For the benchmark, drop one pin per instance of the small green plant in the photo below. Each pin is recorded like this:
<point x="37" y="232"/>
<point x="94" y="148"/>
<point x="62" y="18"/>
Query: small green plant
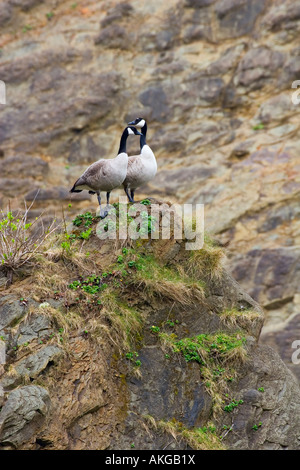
<point x="26" y="28"/>
<point x="49" y="15"/>
<point x="231" y="406"/>
<point x="66" y="244"/>
<point x="132" y="356"/>
<point x="261" y="389"/>
<point x="60" y="334"/>
<point x="146" y="202"/>
<point x="154" y="329"/>
<point x="258" y="127"/>
<point x="91" y="285"/>
<point x="85" y="235"/>
<point x="257" y="426"/>
<point x="86" y="219"/>
<point x="131" y="264"/>
<point x="148" y="221"/>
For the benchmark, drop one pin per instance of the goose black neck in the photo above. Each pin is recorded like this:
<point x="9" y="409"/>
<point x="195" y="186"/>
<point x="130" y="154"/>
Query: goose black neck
<point x="123" y="141"/>
<point x="143" y="136"/>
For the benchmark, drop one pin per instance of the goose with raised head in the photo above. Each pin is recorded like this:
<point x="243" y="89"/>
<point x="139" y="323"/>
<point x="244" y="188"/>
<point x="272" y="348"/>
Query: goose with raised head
<point x="141" y="168"/>
<point x="106" y="174"/>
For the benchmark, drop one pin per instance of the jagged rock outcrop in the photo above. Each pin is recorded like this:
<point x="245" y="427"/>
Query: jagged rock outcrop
<point x="23" y="414"/>
<point x="115" y="344"/>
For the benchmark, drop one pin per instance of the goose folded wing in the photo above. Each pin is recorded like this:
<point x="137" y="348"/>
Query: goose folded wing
<point x="135" y="165"/>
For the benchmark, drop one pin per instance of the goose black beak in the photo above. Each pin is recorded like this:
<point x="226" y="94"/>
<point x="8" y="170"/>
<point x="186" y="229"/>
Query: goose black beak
<point x="132" y="123"/>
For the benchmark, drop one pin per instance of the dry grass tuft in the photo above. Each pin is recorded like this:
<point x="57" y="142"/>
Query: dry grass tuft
<point x="239" y="318"/>
<point x="21" y="240"/>
<point x="158" y="280"/>
<point x="204" y="438"/>
<point x="206" y="263"/>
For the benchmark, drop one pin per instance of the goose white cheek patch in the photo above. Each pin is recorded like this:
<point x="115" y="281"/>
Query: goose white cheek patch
<point x="141" y="123"/>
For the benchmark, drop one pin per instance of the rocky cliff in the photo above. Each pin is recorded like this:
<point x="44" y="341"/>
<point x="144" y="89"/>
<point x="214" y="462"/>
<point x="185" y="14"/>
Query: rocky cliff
<point x="122" y="344"/>
<point x="212" y="77"/>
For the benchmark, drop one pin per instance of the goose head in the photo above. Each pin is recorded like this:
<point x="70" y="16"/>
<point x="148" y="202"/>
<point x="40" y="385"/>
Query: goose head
<point x="138" y="122"/>
<point x="132" y="130"/>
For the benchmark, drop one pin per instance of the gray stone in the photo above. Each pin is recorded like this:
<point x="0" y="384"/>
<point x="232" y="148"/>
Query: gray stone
<point x="275" y="408"/>
<point x="198" y="3"/>
<point x="113" y="36"/>
<point x="121" y="10"/>
<point x="207" y="91"/>
<point x="155" y="97"/>
<point x="11" y="311"/>
<point x="35" y="327"/>
<point x="32" y="366"/>
<point x="237" y="17"/>
<point x="25" y="5"/>
<point x="23" y="414"/>
<point x="274" y="273"/>
<point x="5" y="13"/>
<point x="278" y="18"/>
<point x="26" y="166"/>
<point x="227" y="61"/>
<point x="277" y="109"/>
<point x="258" y="66"/>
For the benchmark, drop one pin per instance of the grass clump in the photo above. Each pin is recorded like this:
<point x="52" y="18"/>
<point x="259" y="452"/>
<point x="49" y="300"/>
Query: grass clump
<point x="121" y="322"/>
<point x="218" y="356"/>
<point x="198" y="438"/>
<point x="21" y="240"/>
<point x="206" y="262"/>
<point x="238" y="317"/>
<point x="159" y="281"/>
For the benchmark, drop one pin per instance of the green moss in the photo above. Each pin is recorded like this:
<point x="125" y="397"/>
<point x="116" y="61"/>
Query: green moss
<point x="204" y="347"/>
<point x="218" y="356"/>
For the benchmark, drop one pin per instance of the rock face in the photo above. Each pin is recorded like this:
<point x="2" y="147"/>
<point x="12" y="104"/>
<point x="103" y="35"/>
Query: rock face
<point x="22" y="414"/>
<point x="214" y="80"/>
<point x="142" y="345"/>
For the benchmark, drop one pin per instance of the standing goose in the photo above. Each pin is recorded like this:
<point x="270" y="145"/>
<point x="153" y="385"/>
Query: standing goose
<point x="141" y="168"/>
<point x="106" y="175"/>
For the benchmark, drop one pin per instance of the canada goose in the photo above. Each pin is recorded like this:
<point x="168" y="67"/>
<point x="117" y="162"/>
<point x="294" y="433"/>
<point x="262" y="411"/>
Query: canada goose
<point x="106" y="174"/>
<point x="141" y="168"/>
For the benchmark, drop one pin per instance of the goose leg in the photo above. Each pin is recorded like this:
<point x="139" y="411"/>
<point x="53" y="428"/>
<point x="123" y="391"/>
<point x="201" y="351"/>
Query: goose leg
<point x="103" y="214"/>
<point x="107" y="203"/>
<point x="132" y="194"/>
<point x="128" y="195"/>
